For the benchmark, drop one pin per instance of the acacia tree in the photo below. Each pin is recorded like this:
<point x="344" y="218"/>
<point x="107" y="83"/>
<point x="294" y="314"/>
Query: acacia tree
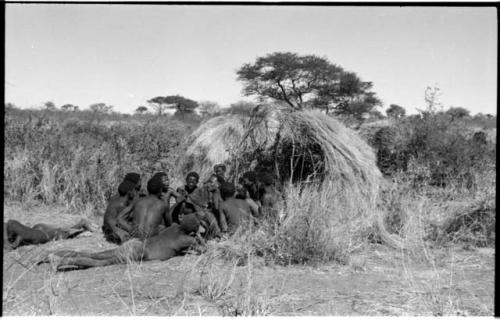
<point x="141" y="110"/>
<point x="458" y="112"/>
<point x="69" y="107"/>
<point x="100" y="107"/>
<point x="49" y="105"/>
<point x="395" y="111"/>
<point x="158" y="104"/>
<point x="181" y="104"/>
<point x="307" y="81"/>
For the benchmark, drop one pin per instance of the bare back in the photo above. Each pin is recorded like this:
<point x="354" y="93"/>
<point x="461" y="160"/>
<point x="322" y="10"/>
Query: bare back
<point x="236" y="212"/>
<point x="147" y="216"/>
<point x="168" y="243"/>
<point x="115" y="206"/>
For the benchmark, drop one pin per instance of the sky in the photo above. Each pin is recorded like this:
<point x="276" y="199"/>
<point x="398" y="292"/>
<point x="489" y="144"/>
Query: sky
<point x="124" y="55"/>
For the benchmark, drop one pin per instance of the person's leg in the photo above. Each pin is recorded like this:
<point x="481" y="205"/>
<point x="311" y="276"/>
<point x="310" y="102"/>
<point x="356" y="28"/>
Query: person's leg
<point x="85" y="262"/>
<point x="83" y="224"/>
<point x="22" y="233"/>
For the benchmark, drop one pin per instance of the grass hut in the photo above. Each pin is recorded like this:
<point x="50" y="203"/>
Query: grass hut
<point x="326" y="172"/>
<point x="295" y="146"/>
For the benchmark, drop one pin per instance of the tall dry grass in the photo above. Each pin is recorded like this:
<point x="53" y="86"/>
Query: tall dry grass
<point x="76" y="163"/>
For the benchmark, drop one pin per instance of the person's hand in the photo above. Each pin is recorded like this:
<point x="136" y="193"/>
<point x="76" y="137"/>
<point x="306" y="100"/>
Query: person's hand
<point x="123" y="235"/>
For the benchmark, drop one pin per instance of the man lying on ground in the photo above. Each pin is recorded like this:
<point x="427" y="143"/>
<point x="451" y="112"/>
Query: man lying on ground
<point x="112" y="232"/>
<point x="170" y="242"/>
<point x="17" y="234"/>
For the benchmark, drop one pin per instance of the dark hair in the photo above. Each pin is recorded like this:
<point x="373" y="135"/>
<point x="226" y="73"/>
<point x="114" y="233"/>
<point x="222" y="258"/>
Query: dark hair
<point x="250" y="175"/>
<point x="125" y="187"/>
<point x="220" y="165"/>
<point x="265" y="178"/>
<point x="159" y="174"/>
<point x="227" y="190"/>
<point x="190" y="223"/>
<point x="220" y="180"/>
<point x="193" y="174"/>
<point x="190" y="206"/>
<point x="155" y="185"/>
<point x="132" y="177"/>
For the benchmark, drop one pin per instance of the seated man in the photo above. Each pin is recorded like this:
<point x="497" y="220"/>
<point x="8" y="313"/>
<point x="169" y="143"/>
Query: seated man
<point x="234" y="212"/>
<point x="147" y="213"/>
<point x="126" y="194"/>
<point x="192" y="179"/>
<point x="220" y="171"/>
<point x="167" y="192"/>
<point x="247" y="190"/>
<point x="17" y="234"/>
<point x="268" y="195"/>
<point x="170" y="242"/>
<point x="134" y="178"/>
<point x="206" y="201"/>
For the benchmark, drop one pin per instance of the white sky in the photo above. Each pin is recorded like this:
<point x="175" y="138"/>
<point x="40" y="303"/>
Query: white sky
<point x="124" y="55"/>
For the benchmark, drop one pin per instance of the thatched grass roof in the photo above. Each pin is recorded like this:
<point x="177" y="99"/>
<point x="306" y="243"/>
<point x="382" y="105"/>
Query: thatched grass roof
<point x="235" y="140"/>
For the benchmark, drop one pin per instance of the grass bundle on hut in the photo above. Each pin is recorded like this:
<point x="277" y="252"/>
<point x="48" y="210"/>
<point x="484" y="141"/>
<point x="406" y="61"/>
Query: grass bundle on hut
<point x="320" y="165"/>
<point x="296" y="146"/>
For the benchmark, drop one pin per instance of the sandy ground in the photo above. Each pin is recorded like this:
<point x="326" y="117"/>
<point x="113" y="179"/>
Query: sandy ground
<point x="376" y="281"/>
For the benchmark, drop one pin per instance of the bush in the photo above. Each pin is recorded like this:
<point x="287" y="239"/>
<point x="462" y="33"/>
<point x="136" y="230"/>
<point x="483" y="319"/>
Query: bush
<point x="446" y="147"/>
<point x="74" y="162"/>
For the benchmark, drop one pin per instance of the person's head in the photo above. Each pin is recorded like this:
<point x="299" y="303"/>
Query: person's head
<point x="249" y="179"/>
<point x="220" y="170"/>
<point x="192" y="179"/>
<point x="155" y="186"/>
<point x="241" y="191"/>
<point x="265" y="179"/>
<point x="127" y="188"/>
<point x="212" y="183"/>
<point x="190" y="224"/>
<point x="227" y="190"/>
<point x="187" y="208"/>
<point x="163" y="177"/>
<point x="135" y="178"/>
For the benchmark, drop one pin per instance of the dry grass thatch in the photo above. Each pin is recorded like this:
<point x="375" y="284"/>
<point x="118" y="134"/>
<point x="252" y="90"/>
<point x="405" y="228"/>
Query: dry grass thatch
<point x="299" y="146"/>
<point x="324" y="170"/>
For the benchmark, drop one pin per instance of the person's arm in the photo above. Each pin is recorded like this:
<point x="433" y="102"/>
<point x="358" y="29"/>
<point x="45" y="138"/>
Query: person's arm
<point x="223" y="220"/>
<point x="121" y="220"/>
<point x="254" y="207"/>
<point x="16" y="242"/>
<point x="172" y="193"/>
<point x="167" y="218"/>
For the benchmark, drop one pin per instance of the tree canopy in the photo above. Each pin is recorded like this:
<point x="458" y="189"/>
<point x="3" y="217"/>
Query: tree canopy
<point x="69" y="107"/>
<point x="100" y="107"/>
<point x="395" y="111"/>
<point x="457" y="112"/>
<point x="181" y="104"/>
<point x="307" y="81"/>
<point x="49" y="105"/>
<point x="141" y="109"/>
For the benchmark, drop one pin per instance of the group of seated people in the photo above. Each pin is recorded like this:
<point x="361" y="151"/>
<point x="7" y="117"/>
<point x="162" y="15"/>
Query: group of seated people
<point x="164" y="222"/>
<point x="220" y="206"/>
